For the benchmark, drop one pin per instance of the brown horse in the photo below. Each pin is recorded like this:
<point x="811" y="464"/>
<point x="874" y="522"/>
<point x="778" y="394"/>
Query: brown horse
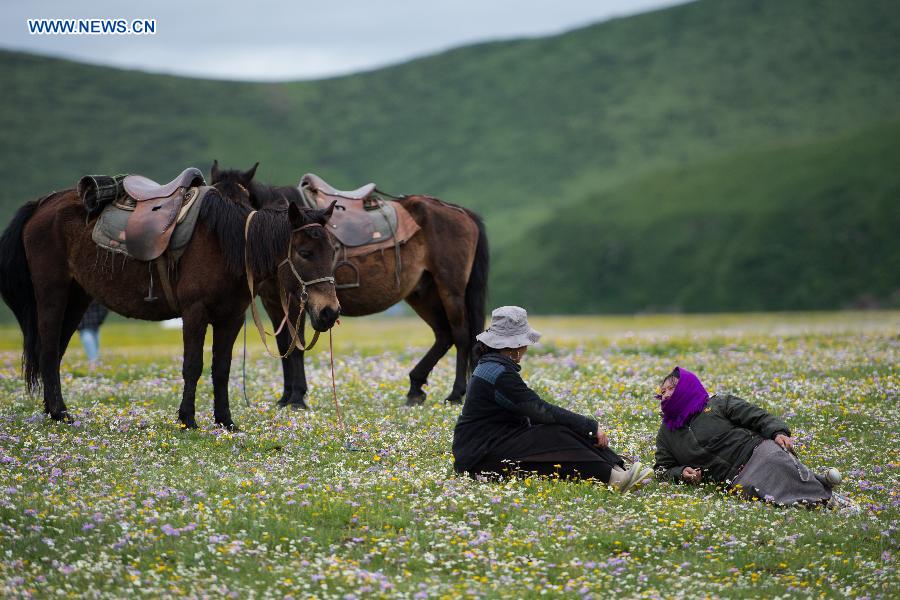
<point x="443" y="278"/>
<point x="49" y="274"/>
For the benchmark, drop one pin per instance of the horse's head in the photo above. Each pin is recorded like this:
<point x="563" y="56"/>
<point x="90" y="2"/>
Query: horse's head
<point x="234" y="184"/>
<point x="306" y="275"/>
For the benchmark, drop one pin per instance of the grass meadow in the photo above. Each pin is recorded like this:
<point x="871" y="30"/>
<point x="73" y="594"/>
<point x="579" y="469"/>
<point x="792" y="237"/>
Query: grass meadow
<point x="123" y="503"/>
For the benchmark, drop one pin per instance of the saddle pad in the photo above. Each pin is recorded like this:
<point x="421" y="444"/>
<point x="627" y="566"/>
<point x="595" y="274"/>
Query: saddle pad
<point x="109" y="231"/>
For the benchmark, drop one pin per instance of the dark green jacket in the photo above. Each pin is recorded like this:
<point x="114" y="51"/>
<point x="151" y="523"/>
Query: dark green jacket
<point x="719" y="440"/>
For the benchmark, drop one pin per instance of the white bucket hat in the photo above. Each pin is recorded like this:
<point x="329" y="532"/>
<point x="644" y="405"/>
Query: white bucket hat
<point x="509" y="329"/>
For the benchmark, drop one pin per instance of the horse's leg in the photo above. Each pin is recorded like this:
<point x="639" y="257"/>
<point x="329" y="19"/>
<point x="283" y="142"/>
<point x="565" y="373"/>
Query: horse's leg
<point x="52" y="298"/>
<point x="454" y="303"/>
<point x="292" y="366"/>
<point x="427" y="304"/>
<point x="78" y="304"/>
<point x="194" y="323"/>
<point x="224" y="334"/>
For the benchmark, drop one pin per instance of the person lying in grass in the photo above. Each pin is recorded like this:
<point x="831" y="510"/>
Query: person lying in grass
<point x="506" y="428"/>
<point x="726" y="440"/>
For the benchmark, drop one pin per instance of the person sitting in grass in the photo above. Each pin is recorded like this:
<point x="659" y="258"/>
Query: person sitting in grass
<point x="726" y="440"/>
<point x="506" y="428"/>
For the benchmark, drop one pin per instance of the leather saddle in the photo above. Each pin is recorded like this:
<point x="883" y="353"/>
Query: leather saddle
<point x="320" y="186"/>
<point x="362" y="221"/>
<point x="156" y="211"/>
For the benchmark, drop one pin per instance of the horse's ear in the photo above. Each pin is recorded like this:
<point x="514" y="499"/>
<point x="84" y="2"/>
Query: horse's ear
<point x="214" y="170"/>
<point x="322" y="215"/>
<point x="326" y="213"/>
<point x="247" y="176"/>
<point x="296" y="216"/>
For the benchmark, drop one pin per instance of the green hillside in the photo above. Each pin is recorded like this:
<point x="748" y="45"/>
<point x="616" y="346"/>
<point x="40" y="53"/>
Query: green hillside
<point x="810" y="225"/>
<point x="519" y="131"/>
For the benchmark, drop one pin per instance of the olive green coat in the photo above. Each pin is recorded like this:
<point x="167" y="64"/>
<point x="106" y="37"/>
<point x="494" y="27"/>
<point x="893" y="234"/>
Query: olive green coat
<point x="718" y="440"/>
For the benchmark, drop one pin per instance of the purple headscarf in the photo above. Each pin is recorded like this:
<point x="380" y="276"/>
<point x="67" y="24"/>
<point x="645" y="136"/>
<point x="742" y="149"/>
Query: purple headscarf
<point x="689" y="398"/>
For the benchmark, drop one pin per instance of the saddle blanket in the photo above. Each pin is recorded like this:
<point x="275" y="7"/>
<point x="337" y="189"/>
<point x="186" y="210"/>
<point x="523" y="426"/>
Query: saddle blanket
<point x="109" y="231"/>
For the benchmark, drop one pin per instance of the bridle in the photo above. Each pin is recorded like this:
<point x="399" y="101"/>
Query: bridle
<point x="282" y="293"/>
<point x="304" y="295"/>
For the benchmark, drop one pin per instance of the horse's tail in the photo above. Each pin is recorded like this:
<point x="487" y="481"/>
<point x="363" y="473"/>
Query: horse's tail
<point x="476" y="288"/>
<point x="17" y="291"/>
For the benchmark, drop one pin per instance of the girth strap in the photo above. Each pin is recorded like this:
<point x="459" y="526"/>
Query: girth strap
<point x="162" y="269"/>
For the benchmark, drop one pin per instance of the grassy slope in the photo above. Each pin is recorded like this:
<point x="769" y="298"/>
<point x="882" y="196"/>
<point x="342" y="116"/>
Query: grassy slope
<point x="800" y="226"/>
<point x="514" y="129"/>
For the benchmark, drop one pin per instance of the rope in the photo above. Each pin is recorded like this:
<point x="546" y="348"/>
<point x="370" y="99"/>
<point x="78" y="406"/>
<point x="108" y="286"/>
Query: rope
<point x="337" y="405"/>
<point x="244" y="366"/>
<point x="295" y="337"/>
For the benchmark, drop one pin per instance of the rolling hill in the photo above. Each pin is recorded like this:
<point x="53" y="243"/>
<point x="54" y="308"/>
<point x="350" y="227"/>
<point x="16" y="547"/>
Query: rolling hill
<point x="758" y="134"/>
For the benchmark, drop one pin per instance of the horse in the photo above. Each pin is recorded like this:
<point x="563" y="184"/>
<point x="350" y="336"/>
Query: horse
<point x="49" y="274"/>
<point x="443" y="277"/>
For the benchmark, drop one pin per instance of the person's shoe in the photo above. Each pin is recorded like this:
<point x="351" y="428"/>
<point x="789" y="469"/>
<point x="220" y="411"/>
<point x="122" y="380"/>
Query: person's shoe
<point x="833" y="477"/>
<point x="635" y="477"/>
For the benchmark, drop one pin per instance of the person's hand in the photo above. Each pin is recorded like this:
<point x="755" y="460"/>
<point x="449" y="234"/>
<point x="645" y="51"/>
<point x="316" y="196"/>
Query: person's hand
<point x="785" y="442"/>
<point x="602" y="439"/>
<point x="691" y="475"/>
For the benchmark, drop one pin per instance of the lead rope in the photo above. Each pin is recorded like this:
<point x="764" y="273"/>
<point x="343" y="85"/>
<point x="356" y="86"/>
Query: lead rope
<point x="244" y="366"/>
<point x="295" y="341"/>
<point x="349" y="444"/>
<point x="337" y="405"/>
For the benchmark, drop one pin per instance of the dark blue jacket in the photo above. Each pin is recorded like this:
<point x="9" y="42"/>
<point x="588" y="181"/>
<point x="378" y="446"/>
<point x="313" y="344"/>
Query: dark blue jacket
<point x="498" y="405"/>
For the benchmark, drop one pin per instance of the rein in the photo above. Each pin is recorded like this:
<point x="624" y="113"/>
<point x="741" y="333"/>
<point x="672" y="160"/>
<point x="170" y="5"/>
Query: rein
<point x="304" y="296"/>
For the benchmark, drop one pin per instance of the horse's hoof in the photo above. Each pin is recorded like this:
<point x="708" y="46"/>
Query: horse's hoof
<point x="229" y="426"/>
<point x="454" y="400"/>
<point x="294" y="405"/>
<point x="63" y="417"/>
<point x="187" y="423"/>
<point x="295" y="402"/>
<point x="415" y="400"/>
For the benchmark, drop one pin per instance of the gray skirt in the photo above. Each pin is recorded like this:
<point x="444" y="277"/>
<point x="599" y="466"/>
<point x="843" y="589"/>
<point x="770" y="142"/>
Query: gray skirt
<point x="775" y="475"/>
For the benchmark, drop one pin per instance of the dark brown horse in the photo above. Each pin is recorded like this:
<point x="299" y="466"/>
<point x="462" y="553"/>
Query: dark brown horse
<point x="443" y="278"/>
<point x="49" y="273"/>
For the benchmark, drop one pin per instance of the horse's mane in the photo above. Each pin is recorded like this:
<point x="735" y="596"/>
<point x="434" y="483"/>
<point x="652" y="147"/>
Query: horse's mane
<point x="269" y="236"/>
<point x="265" y="196"/>
<point x="261" y="195"/>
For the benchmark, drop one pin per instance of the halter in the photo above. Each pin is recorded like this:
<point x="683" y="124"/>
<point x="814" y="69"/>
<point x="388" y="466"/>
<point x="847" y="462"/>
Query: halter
<point x="304" y="296"/>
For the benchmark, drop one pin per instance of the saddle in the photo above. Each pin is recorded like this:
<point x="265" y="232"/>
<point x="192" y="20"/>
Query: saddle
<point x="156" y="211"/>
<point x="317" y="184"/>
<point x="142" y="219"/>
<point x="362" y="220"/>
